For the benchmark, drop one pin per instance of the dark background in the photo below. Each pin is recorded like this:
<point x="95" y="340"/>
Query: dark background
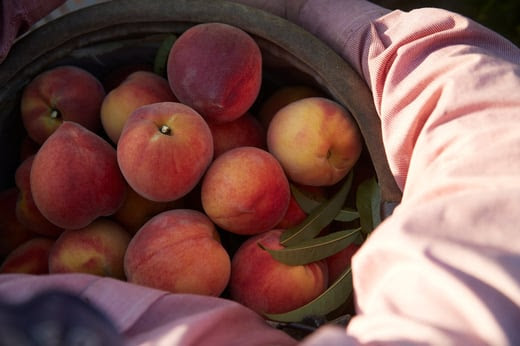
<point x="502" y="16"/>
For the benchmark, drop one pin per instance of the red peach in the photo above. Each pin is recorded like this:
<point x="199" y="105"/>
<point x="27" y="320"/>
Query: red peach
<point x="245" y="191"/>
<point x="138" y="89"/>
<point x="295" y="214"/>
<point x="97" y="249"/>
<point x="136" y="210"/>
<point x="164" y="150"/>
<point x="75" y="177"/>
<point x="241" y="132"/>
<point x="31" y="257"/>
<point x="216" y="69"/>
<point x="266" y="285"/>
<point x="26" y="210"/>
<point x="316" y="141"/>
<point x="63" y="93"/>
<point x="340" y="261"/>
<point x="179" y="251"/>
<point x="12" y="232"/>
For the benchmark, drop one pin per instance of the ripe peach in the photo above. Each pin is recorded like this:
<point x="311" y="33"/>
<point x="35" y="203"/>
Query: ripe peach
<point x="64" y="93"/>
<point x="164" y="150"/>
<point x="26" y="211"/>
<point x="178" y="251"/>
<point x="340" y="261"/>
<point x="295" y="214"/>
<point x="267" y="286"/>
<point x="245" y="191"/>
<point x="75" y="177"/>
<point x="316" y="141"/>
<point x="97" y="249"/>
<point x="31" y="257"/>
<point x="282" y="97"/>
<point x="241" y="132"/>
<point x="216" y="69"/>
<point x="12" y="232"/>
<point x="136" y="210"/>
<point x="138" y="89"/>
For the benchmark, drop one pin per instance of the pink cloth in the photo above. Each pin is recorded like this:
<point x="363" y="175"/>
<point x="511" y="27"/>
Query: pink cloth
<point x="445" y="267"/>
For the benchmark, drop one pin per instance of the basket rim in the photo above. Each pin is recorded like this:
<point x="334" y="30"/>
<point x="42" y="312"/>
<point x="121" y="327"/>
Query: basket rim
<point x="30" y="54"/>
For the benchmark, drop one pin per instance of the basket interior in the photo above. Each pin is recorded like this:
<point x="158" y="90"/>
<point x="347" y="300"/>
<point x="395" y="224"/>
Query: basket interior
<point x="104" y="37"/>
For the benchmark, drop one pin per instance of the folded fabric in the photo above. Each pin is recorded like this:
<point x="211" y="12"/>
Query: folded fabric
<point x="144" y="315"/>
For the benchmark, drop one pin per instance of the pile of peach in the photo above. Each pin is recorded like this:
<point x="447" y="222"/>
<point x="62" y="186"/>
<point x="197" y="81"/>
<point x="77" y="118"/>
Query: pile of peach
<point x="143" y="180"/>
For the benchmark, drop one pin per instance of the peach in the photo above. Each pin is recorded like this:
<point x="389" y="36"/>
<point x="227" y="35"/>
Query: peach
<point x="179" y="251"/>
<point x="97" y="249"/>
<point x="241" y="132"/>
<point x="31" y="257"/>
<point x="295" y="214"/>
<point x="26" y="211"/>
<point x="138" y="89"/>
<point x="316" y="141"/>
<point x="245" y="191"/>
<point x="216" y="69"/>
<point x="63" y="93"/>
<point x="265" y="285"/>
<point x="164" y="150"/>
<point x="282" y="97"/>
<point x="75" y="177"/>
<point x="136" y="210"/>
<point x="340" y="261"/>
<point x="12" y="232"/>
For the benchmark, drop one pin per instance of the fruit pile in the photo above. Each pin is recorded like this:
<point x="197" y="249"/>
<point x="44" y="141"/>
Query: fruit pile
<point x="174" y="182"/>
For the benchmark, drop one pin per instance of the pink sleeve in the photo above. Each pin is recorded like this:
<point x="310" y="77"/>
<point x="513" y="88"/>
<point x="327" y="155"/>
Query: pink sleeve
<point x="445" y="267"/>
<point x="146" y="316"/>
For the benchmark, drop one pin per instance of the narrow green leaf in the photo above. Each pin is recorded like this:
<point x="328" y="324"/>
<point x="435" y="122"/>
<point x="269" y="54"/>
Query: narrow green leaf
<point x="327" y="302"/>
<point x="305" y="202"/>
<point x="308" y="205"/>
<point x="161" y="58"/>
<point x="315" y="249"/>
<point x="318" y="218"/>
<point x="368" y="203"/>
<point x="347" y="215"/>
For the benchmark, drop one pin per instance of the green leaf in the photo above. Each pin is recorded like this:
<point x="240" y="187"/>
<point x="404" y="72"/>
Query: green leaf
<point x="347" y="215"/>
<point x="368" y="203"/>
<point x="327" y="302"/>
<point x="315" y="249"/>
<point x="308" y="205"/>
<point x="305" y="202"/>
<point x="318" y="218"/>
<point x="161" y="58"/>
